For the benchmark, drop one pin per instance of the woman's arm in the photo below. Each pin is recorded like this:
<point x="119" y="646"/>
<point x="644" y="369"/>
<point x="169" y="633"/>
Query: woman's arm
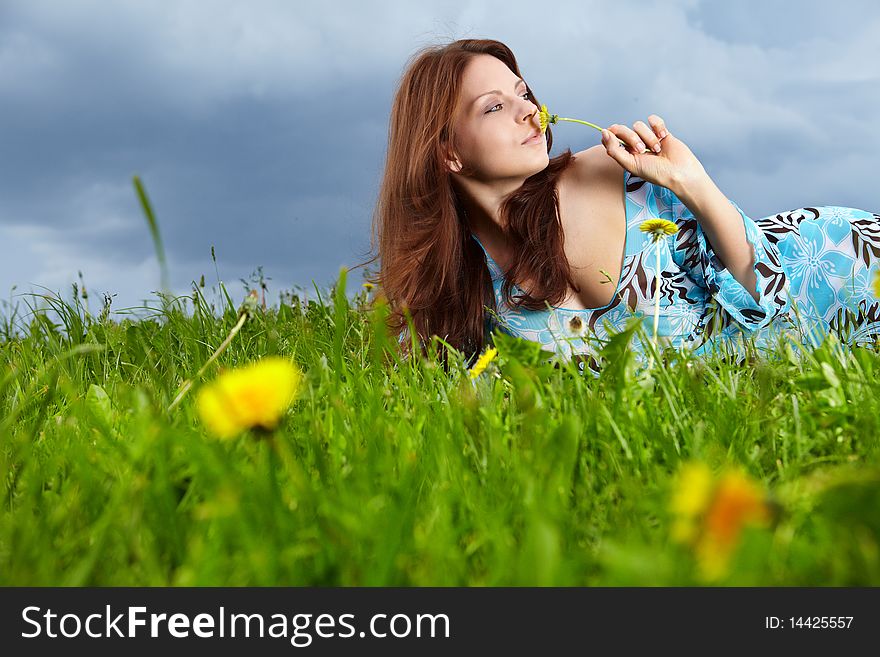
<point x="692" y="252"/>
<point x="678" y="169"/>
<point x="724" y="229"/>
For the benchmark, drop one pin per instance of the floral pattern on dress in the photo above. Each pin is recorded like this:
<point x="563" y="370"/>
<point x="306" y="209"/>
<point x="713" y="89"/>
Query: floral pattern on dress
<point x="813" y="268"/>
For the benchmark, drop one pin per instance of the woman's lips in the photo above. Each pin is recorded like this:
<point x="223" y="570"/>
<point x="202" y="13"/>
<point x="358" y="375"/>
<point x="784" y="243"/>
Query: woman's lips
<point x="534" y="140"/>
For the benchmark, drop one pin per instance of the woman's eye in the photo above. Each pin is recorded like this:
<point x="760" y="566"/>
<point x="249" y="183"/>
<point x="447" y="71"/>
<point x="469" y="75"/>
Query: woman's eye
<point x="528" y="93"/>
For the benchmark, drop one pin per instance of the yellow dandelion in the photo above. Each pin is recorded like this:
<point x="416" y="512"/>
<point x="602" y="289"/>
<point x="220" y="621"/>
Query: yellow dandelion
<point x="368" y="286"/>
<point x="693" y="491"/>
<point x="691" y="498"/>
<point x="659" y="227"/>
<point x="545" y="118"/>
<point x="738" y="501"/>
<point x="710" y="514"/>
<point x="482" y="362"/>
<point x="877" y="284"/>
<point x="254" y="396"/>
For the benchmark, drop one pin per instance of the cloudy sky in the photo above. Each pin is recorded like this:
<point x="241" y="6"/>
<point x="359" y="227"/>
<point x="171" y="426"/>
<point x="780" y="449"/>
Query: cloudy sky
<point x="259" y="127"/>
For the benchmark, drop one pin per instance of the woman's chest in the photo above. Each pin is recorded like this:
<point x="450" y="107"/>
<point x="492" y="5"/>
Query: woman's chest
<point x="594" y="222"/>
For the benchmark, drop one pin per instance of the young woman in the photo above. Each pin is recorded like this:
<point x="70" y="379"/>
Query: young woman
<point x="478" y="227"/>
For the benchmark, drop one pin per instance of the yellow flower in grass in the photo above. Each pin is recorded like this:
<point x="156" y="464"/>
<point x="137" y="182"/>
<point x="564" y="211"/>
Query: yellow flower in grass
<point x="482" y="362"/>
<point x="710" y="514"/>
<point x="253" y="396"/>
<point x="877" y="284"/>
<point x="690" y="499"/>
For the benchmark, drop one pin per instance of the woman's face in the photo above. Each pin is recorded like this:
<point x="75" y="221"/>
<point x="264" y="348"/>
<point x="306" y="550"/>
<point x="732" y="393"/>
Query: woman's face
<point x="495" y="116"/>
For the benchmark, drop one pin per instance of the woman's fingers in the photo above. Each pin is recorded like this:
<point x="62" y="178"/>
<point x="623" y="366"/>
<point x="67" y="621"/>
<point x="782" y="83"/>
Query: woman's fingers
<point x="658" y="125"/>
<point x="647" y="135"/>
<point x="642" y="137"/>
<point x="613" y="148"/>
<point x="630" y="137"/>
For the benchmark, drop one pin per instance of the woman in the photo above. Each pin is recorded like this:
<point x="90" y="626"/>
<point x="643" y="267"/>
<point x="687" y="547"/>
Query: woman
<point x="472" y="210"/>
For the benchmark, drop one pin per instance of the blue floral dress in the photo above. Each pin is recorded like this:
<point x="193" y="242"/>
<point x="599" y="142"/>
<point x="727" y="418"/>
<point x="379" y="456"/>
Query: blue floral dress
<point x="814" y="268"/>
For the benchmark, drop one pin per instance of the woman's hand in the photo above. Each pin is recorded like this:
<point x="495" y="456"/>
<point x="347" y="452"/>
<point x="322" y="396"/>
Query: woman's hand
<point x="674" y="167"/>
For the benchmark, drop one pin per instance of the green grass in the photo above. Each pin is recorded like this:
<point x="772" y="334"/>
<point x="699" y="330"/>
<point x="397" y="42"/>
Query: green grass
<point x="398" y="473"/>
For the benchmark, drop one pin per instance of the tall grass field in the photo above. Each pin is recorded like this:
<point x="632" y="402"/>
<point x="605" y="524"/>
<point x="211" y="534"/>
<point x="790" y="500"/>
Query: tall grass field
<point x="390" y="471"/>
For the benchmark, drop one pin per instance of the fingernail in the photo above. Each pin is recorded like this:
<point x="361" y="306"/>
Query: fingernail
<point x="641" y="147"/>
<point x="656" y="148"/>
<point x="663" y="134"/>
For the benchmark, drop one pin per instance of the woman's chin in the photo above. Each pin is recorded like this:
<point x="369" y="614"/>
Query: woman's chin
<point x="544" y="162"/>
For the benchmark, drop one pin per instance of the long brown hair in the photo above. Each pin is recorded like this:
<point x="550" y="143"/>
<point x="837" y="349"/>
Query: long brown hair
<point x="430" y="267"/>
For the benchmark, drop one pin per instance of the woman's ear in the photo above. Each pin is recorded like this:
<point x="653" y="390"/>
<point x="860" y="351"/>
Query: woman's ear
<point x="453" y="163"/>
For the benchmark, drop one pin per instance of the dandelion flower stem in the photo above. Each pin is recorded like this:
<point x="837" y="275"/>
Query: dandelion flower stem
<point x="592" y="125"/>
<point x="188" y="383"/>
<point x="657" y="292"/>
<point x="658" y="228"/>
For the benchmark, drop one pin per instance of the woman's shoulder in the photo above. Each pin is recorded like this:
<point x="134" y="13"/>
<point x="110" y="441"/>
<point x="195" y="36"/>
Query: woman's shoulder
<point x="593" y="183"/>
<point x="591" y="169"/>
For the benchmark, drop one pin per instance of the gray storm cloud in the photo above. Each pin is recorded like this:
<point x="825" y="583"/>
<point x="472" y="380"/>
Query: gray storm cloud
<point x="260" y="127"/>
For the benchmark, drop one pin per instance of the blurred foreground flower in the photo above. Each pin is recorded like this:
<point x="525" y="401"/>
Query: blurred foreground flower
<point x="254" y="396"/>
<point x="710" y="513"/>
<point x="877" y="284"/>
<point x="659" y="229"/>
<point x="482" y="362"/>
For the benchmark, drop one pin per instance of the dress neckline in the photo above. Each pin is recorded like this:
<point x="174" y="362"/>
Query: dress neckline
<point x="497" y="270"/>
